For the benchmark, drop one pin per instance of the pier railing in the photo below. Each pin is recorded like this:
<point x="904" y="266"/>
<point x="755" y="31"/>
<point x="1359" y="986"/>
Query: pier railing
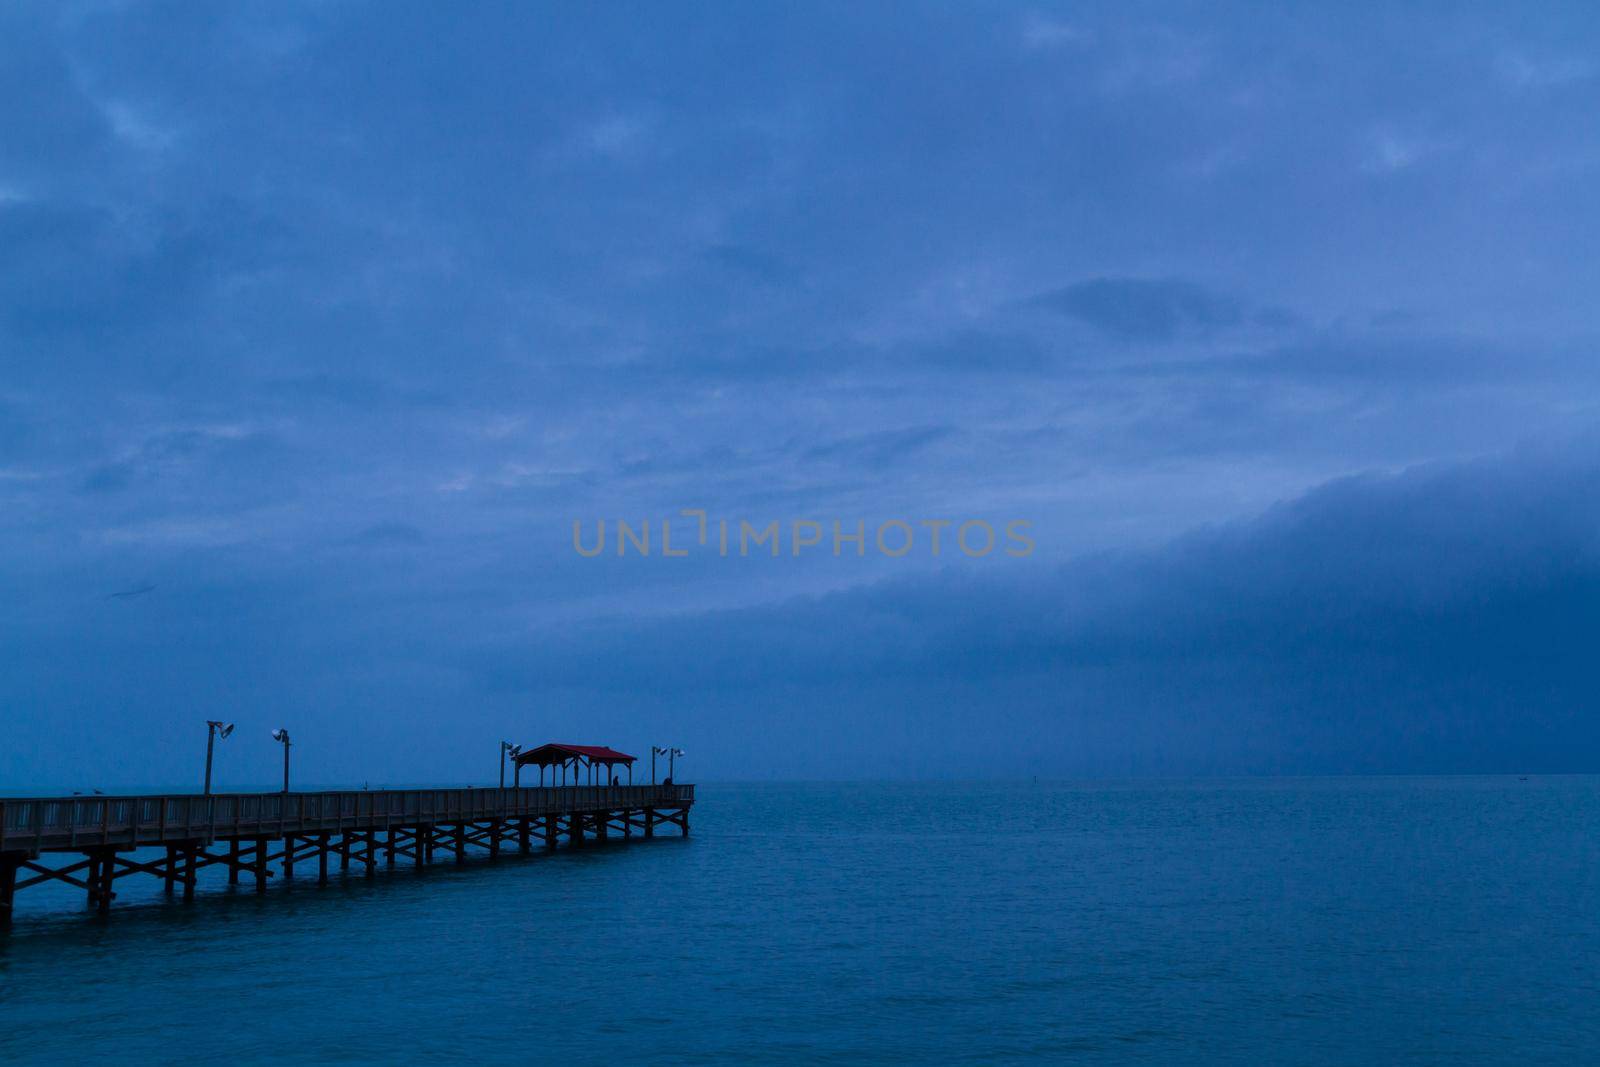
<point x="29" y="824"/>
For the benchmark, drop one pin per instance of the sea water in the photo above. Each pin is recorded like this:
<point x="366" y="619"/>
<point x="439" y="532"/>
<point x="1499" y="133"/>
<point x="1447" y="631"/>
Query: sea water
<point x="1315" y="921"/>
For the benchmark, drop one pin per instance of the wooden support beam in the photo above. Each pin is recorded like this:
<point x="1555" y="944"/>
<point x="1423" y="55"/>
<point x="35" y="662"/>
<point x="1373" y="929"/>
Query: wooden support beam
<point x="261" y="865"/>
<point x="170" y="879"/>
<point x="322" y="859"/>
<point x="189" y="852"/>
<point x="101" y="864"/>
<point x="419" y="847"/>
<point x="649" y="822"/>
<point x="295" y="849"/>
<point x="233" y="862"/>
<point x="60" y="874"/>
<point x="679" y="818"/>
<point x="10" y="864"/>
<point x="125" y="867"/>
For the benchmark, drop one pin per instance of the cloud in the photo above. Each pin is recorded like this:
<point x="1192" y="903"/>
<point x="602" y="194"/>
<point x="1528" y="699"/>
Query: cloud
<point x="1549" y="72"/>
<point x="878" y="449"/>
<point x="173" y="452"/>
<point x="1039" y="32"/>
<point x="389" y="535"/>
<point x="1389" y="149"/>
<point x="109" y="478"/>
<point x="1433" y="620"/>
<point x="1138" y="309"/>
<point x="610" y="262"/>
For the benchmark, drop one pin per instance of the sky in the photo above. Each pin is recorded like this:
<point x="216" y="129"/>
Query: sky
<point x="1273" y="325"/>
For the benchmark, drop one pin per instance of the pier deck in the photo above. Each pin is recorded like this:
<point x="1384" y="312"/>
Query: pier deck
<point x="264" y="835"/>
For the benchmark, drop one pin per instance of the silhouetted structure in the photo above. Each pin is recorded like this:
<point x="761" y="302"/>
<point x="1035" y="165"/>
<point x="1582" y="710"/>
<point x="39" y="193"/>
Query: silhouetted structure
<point x="582" y="762"/>
<point x="250" y="832"/>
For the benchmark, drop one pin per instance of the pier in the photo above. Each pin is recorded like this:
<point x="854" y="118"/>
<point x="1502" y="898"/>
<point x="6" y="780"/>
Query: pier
<point x="261" y="836"/>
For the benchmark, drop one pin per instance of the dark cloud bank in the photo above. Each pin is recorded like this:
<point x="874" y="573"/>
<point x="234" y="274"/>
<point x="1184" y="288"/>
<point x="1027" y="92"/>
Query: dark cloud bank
<point x="1442" y="619"/>
<point x="1437" y="620"/>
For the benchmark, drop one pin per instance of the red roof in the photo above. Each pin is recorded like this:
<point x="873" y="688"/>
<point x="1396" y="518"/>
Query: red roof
<point x="558" y="753"/>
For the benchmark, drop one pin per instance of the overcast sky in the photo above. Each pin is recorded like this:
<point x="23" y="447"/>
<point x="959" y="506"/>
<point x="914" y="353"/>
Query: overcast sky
<point x="321" y="325"/>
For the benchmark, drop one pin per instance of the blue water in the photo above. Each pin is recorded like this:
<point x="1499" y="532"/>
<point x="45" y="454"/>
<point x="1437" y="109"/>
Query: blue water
<point x="1328" y="921"/>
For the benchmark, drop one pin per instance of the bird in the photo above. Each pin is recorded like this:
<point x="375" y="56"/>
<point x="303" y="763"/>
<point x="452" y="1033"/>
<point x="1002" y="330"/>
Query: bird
<point x="129" y="594"/>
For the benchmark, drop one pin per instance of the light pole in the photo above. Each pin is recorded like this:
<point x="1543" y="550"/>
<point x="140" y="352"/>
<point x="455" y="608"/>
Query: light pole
<point x="505" y="747"/>
<point x="215" y="728"/>
<point x="671" y="758"/>
<point x="282" y="735"/>
<point x="655" y="750"/>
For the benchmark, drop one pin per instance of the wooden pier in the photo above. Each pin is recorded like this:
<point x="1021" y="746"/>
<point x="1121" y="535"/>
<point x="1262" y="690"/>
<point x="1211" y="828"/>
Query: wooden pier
<point x="259" y="836"/>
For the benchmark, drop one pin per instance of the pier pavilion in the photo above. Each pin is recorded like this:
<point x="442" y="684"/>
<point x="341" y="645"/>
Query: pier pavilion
<point x="582" y="762"/>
